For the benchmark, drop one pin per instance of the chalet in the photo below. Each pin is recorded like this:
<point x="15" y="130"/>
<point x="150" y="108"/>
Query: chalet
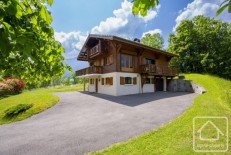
<point x="121" y="67"/>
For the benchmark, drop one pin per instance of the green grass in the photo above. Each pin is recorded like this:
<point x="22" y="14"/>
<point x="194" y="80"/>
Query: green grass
<point x="176" y="136"/>
<point x="40" y="98"/>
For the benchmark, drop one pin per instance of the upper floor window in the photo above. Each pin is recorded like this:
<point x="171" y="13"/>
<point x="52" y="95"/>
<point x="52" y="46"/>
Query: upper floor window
<point x="150" y="61"/>
<point x="127" y="62"/>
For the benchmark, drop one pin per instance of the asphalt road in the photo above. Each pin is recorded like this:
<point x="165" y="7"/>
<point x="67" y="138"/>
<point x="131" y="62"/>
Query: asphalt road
<point x="81" y="122"/>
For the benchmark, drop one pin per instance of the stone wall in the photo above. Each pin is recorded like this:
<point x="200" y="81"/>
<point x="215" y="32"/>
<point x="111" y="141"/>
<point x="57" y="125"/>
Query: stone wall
<point x="181" y="85"/>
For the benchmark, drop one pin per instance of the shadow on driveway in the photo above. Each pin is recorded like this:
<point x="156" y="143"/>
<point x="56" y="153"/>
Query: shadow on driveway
<point x="137" y="99"/>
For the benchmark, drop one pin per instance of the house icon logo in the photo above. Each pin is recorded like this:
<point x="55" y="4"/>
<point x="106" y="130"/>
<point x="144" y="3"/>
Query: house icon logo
<point x="210" y="124"/>
<point x="210" y="134"/>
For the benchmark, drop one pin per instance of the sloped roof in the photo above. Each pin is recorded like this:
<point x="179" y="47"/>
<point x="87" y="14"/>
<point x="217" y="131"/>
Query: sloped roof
<point x="89" y="41"/>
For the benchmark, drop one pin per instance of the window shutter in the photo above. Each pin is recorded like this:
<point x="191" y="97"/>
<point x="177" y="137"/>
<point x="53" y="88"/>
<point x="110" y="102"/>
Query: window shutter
<point x="122" y="80"/>
<point x="111" y="80"/>
<point x="134" y="80"/>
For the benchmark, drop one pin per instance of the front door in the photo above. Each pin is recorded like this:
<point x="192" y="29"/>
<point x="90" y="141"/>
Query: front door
<point x="159" y="84"/>
<point x="96" y="85"/>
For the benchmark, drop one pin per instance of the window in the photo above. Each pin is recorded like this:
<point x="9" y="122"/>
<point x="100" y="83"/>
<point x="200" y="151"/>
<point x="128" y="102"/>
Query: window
<point x="147" y="80"/>
<point x="102" y="81"/>
<point x="109" y="81"/>
<point x="150" y="61"/>
<point x="92" y="81"/>
<point x="126" y="61"/>
<point x="128" y="80"/>
<point x="108" y="60"/>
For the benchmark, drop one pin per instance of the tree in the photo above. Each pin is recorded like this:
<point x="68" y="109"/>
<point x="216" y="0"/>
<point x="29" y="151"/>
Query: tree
<point x="203" y="46"/>
<point x="223" y="6"/>
<point x="142" y="6"/>
<point x="153" y="40"/>
<point x="28" y="49"/>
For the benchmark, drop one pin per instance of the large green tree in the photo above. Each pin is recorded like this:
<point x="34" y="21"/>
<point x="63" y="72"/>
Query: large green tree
<point x="28" y="49"/>
<point x="153" y="40"/>
<point x="203" y="45"/>
<point x="142" y="6"/>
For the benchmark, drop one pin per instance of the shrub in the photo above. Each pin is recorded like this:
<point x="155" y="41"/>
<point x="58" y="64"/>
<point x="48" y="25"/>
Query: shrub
<point x="6" y="89"/>
<point x="16" y="110"/>
<point x="18" y="84"/>
<point x="11" y="86"/>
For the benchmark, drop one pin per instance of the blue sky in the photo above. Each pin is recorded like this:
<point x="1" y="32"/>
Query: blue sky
<point x="73" y="20"/>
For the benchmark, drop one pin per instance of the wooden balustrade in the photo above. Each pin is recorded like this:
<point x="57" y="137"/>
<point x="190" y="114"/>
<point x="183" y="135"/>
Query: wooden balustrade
<point x="158" y="70"/>
<point x="90" y="70"/>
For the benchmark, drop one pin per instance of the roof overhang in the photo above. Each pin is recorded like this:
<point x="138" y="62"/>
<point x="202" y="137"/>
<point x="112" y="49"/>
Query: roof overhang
<point x="93" y="38"/>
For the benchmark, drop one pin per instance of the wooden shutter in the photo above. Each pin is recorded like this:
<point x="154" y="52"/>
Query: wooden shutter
<point x="122" y="80"/>
<point x="111" y="80"/>
<point x="134" y="80"/>
<point x="111" y="59"/>
<point x="102" y="82"/>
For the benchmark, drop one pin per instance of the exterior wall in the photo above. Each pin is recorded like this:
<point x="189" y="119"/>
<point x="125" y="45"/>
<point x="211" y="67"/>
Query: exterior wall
<point x="162" y="61"/>
<point x="116" y="89"/>
<point x="127" y="89"/>
<point x="107" y="89"/>
<point x="91" y="88"/>
<point x="148" y="88"/>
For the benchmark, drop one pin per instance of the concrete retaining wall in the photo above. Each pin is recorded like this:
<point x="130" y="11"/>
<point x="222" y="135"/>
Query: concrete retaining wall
<point x="180" y="85"/>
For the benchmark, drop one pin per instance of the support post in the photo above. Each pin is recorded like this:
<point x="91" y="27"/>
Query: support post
<point x="165" y="83"/>
<point x="84" y="85"/>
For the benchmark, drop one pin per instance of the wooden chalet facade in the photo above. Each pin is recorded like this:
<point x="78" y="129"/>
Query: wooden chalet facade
<point x="120" y="67"/>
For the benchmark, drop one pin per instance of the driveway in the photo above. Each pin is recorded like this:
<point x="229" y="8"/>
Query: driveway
<point x="81" y="122"/>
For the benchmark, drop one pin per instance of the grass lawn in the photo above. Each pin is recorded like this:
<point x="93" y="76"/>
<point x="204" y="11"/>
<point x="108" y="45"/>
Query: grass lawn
<point x="40" y="98"/>
<point x="176" y="137"/>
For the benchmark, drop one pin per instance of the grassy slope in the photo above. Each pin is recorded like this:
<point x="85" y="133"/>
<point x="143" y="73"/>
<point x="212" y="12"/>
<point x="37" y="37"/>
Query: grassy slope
<point x="41" y="99"/>
<point x="176" y="137"/>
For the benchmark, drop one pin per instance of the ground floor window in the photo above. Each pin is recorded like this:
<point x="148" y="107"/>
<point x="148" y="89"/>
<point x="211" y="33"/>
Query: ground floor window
<point x="109" y="81"/>
<point x="148" y="81"/>
<point x="128" y="80"/>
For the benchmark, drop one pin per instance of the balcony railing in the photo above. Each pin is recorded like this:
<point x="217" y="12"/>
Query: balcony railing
<point x="159" y="70"/>
<point x="90" y="70"/>
<point x="96" y="50"/>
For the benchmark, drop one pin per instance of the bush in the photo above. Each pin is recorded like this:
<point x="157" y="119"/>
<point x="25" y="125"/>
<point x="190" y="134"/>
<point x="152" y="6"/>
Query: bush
<point x="11" y="86"/>
<point x="6" y="89"/>
<point x="16" y="110"/>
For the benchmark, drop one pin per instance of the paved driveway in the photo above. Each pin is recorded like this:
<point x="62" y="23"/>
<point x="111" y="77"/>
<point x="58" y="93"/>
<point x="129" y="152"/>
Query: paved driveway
<point x="81" y="122"/>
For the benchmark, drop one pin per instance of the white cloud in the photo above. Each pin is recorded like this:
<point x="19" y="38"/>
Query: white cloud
<point x="124" y="22"/>
<point x="206" y="8"/>
<point x="72" y="42"/>
<point x="152" y="32"/>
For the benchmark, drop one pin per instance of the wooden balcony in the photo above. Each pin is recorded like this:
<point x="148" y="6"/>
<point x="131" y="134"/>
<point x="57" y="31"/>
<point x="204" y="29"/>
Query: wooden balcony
<point x="159" y="70"/>
<point x="96" y="50"/>
<point x="90" y="70"/>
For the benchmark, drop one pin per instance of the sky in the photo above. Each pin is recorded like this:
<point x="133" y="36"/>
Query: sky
<point x="73" y="20"/>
